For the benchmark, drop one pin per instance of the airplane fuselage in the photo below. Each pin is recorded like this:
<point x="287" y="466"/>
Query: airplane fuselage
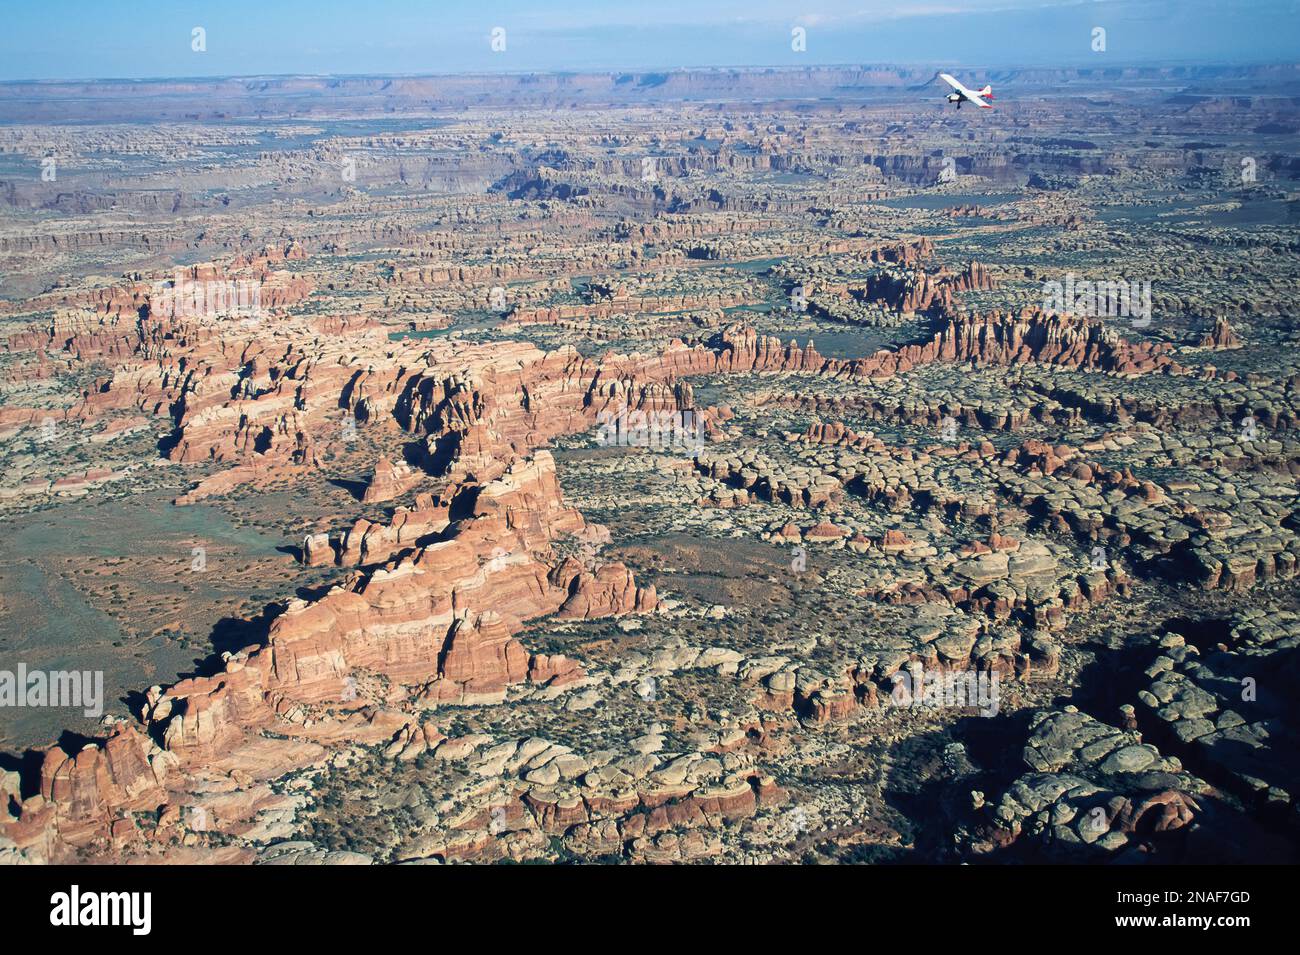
<point x="960" y="94"/>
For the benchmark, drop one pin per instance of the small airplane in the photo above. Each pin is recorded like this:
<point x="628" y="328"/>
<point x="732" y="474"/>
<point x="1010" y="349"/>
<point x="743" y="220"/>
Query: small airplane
<point x="961" y="93"/>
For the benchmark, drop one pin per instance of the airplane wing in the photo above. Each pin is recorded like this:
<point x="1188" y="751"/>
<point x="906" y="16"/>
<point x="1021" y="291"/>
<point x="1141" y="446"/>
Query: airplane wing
<point x="968" y="94"/>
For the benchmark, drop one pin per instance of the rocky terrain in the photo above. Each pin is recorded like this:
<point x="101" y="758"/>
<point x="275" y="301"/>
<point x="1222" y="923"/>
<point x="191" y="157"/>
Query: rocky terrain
<point x="734" y="467"/>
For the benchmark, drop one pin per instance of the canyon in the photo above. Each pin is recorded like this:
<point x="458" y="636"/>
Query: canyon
<point x="398" y="601"/>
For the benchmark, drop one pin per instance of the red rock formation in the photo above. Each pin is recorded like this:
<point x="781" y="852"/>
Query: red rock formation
<point x="317" y="550"/>
<point x="369" y="542"/>
<point x="1222" y="336"/>
<point x="82" y="793"/>
<point x="480" y="659"/>
<point x="442" y="617"/>
<point x="824" y="532"/>
<point x="389" y="481"/>
<point x="1074" y="343"/>
<point x="610" y="591"/>
<point x="919" y="292"/>
<point x="553" y="670"/>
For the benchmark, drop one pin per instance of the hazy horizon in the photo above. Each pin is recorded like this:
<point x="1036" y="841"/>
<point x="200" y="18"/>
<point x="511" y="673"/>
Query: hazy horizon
<point x="645" y="70"/>
<point x="78" y="41"/>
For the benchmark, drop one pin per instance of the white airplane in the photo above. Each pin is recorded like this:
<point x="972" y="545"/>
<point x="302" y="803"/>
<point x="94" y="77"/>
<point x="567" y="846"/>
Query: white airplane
<point x="962" y="93"/>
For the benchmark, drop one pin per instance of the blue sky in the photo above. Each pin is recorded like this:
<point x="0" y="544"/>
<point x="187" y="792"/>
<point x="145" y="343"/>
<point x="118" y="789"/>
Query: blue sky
<point x="62" y="39"/>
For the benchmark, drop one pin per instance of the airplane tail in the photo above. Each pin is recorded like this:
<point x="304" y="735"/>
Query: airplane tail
<point x="987" y="92"/>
